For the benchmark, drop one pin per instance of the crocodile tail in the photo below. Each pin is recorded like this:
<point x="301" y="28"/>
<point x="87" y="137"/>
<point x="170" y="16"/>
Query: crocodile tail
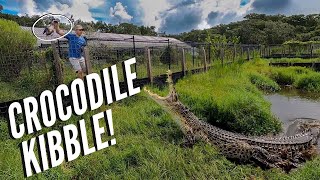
<point x="172" y="96"/>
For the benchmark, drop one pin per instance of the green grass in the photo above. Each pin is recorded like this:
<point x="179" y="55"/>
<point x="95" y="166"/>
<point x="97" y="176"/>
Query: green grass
<point x="309" y="82"/>
<point x="28" y="84"/>
<point x="148" y="147"/>
<point x="148" y="139"/>
<point x="264" y="83"/>
<point x="294" y="60"/>
<point x="226" y="97"/>
<point x="302" y="78"/>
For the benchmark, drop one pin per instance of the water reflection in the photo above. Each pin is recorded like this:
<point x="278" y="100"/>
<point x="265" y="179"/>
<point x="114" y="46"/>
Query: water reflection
<point x="294" y="107"/>
<point x="292" y="104"/>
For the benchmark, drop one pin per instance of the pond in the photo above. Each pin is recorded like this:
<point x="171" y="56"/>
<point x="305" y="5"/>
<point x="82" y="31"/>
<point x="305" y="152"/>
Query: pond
<point x="293" y="107"/>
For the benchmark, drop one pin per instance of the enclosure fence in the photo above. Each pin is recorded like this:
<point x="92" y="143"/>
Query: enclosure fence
<point x="44" y="68"/>
<point x="304" y="50"/>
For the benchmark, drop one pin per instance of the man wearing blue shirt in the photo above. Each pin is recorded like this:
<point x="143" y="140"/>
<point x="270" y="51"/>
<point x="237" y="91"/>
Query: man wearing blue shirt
<point x="76" y="43"/>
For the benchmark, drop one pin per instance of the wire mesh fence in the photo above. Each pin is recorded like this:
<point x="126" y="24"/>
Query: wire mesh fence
<point x="36" y="70"/>
<point x="293" y="50"/>
<point x="25" y="73"/>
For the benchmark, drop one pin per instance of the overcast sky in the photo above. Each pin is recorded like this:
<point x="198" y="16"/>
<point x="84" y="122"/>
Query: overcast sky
<point x="172" y="16"/>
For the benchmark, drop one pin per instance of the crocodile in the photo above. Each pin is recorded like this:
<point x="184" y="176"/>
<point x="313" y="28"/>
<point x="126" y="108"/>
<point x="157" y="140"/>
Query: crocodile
<point x="285" y="152"/>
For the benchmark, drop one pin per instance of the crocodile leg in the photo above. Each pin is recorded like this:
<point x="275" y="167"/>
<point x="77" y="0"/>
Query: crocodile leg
<point x="264" y="158"/>
<point x="189" y="140"/>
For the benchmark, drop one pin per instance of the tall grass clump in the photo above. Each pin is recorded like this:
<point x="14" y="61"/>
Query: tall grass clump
<point x="225" y="97"/>
<point x="299" y="77"/>
<point x="302" y="78"/>
<point x="283" y="76"/>
<point x="264" y="83"/>
<point x="310" y="82"/>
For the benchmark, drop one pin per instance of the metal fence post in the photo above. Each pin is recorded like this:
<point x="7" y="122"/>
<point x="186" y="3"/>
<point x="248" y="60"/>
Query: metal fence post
<point x="57" y="65"/>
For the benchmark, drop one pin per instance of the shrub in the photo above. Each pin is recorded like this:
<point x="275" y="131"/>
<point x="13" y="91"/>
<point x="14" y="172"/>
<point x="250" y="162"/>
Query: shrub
<point x="15" y="44"/>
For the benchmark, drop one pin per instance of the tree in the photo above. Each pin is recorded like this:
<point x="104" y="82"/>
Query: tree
<point x="278" y="32"/>
<point x="1" y="8"/>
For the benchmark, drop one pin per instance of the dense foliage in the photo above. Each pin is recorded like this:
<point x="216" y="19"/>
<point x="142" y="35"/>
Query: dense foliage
<point x="14" y="45"/>
<point x="263" y="29"/>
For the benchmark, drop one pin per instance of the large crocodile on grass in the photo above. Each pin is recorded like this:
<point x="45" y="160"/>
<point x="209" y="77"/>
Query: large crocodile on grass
<point x="268" y="152"/>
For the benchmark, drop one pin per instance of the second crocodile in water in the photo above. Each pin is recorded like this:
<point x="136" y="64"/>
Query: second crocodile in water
<point x="272" y="152"/>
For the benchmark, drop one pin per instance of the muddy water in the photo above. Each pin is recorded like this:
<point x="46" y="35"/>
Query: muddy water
<point x="294" y="107"/>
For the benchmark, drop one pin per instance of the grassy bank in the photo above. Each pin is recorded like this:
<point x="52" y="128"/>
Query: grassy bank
<point x="148" y="147"/>
<point x="294" y="60"/>
<point x="301" y="78"/>
<point x="226" y="97"/>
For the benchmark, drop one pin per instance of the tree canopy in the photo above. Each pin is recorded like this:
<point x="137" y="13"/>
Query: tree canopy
<point x="263" y="29"/>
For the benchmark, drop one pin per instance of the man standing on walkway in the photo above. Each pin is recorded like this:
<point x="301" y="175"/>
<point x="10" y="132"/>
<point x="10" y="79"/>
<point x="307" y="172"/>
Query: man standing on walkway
<point x="76" y="43"/>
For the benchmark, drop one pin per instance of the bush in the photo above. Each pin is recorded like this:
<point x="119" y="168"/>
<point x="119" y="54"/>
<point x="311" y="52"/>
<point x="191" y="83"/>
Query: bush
<point x="15" y="44"/>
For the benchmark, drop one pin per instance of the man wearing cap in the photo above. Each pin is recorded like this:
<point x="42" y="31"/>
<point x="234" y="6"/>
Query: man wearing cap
<point x="76" y="43"/>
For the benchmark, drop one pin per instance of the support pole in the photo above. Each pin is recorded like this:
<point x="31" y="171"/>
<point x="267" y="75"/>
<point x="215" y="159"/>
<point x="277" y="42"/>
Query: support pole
<point x="134" y="53"/>
<point x="204" y="60"/>
<point x="149" y="65"/>
<point x="87" y="60"/>
<point x="57" y="65"/>
<point x="183" y="63"/>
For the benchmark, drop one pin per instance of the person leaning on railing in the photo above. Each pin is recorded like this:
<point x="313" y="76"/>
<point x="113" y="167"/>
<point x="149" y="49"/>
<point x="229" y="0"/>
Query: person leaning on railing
<point x="76" y="43"/>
